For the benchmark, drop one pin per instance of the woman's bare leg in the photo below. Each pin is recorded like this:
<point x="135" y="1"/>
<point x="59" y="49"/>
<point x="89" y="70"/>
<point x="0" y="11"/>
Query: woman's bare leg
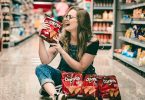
<point x="50" y="89"/>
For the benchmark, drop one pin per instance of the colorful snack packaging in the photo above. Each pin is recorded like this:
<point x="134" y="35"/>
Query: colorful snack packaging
<point x="108" y="87"/>
<point x="90" y="86"/>
<point x="72" y="83"/>
<point x="53" y="30"/>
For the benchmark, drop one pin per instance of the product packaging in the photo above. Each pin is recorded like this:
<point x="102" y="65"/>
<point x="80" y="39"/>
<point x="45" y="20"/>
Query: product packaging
<point x="52" y="32"/>
<point x="90" y="86"/>
<point x="72" y="83"/>
<point x="108" y="87"/>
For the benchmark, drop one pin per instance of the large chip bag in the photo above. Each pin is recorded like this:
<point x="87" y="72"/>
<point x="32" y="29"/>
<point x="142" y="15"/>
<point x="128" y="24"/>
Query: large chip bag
<point x="90" y="86"/>
<point x="72" y="83"/>
<point x="52" y="31"/>
<point x="108" y="87"/>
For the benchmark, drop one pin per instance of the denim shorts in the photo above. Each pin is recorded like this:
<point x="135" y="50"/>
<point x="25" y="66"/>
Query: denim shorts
<point x="48" y="74"/>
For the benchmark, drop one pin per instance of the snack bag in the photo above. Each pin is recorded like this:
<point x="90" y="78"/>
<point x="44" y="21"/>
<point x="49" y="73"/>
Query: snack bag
<point x="53" y="30"/>
<point x="90" y="86"/>
<point x="108" y="87"/>
<point x="72" y="83"/>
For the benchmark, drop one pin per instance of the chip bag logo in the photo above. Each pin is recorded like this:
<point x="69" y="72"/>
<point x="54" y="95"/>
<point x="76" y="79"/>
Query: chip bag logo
<point x="71" y="79"/>
<point x="110" y="81"/>
<point x="91" y="80"/>
<point x="54" y="24"/>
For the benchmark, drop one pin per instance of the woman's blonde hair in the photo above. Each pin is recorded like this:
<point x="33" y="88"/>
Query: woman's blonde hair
<point x="84" y="33"/>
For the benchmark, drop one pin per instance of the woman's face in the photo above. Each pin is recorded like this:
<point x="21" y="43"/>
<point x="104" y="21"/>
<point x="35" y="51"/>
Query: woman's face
<point x="70" y="21"/>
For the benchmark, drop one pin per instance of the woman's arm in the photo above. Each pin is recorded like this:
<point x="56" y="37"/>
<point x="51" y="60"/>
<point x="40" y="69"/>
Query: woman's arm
<point x="46" y="56"/>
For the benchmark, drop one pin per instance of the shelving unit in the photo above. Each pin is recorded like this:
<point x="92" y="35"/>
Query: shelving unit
<point x="5" y="23"/>
<point x="20" y="23"/>
<point x="1" y="27"/>
<point x="102" y="21"/>
<point x="121" y="25"/>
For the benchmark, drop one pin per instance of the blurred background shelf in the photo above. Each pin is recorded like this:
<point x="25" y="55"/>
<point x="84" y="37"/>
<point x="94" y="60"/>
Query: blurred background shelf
<point x="14" y="43"/>
<point x="133" y="41"/>
<point x="103" y="8"/>
<point x="102" y="20"/>
<point x="132" y="6"/>
<point x="131" y="61"/>
<point x="101" y="32"/>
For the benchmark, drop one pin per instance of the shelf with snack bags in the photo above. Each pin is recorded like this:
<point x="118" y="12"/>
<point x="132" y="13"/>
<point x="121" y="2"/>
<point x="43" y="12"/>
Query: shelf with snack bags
<point x="131" y="61"/>
<point x="134" y="41"/>
<point x="130" y="32"/>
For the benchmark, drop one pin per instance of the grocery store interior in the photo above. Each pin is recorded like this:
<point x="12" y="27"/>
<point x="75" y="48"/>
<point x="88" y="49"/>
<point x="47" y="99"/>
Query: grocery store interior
<point x="119" y="25"/>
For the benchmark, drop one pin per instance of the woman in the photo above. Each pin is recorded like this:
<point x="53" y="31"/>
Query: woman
<point x="76" y="46"/>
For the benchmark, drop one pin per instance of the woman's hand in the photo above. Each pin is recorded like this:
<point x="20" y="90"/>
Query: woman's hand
<point x="57" y="45"/>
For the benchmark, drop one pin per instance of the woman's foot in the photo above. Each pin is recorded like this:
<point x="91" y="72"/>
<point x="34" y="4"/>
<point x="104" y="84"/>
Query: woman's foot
<point x="43" y="92"/>
<point x="60" y="96"/>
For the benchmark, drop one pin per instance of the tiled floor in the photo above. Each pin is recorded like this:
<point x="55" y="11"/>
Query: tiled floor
<point x="18" y="80"/>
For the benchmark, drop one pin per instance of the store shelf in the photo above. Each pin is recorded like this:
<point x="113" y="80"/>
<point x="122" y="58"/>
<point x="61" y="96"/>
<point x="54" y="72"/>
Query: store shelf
<point x="105" y="45"/>
<point x="16" y="26"/>
<point x="125" y="21"/>
<point x="133" y="21"/>
<point x="50" y="3"/>
<point x="5" y="42"/>
<point x="6" y="21"/>
<point x="22" y="40"/>
<point x="133" y="41"/>
<point x="102" y="20"/>
<point x="131" y="6"/>
<point x="101" y="32"/>
<point x="131" y="61"/>
<point x="138" y="21"/>
<point x="103" y="8"/>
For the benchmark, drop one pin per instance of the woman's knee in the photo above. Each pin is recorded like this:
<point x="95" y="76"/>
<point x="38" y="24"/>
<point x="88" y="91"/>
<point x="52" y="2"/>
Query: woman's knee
<point x="39" y="68"/>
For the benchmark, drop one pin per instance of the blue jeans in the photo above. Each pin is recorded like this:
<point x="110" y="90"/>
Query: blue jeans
<point x="48" y="74"/>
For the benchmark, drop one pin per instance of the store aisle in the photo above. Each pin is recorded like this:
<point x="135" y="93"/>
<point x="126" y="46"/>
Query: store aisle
<point x="18" y="80"/>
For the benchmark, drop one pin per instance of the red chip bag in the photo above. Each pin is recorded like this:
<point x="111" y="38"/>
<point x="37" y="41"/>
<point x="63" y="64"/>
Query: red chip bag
<point x="90" y="87"/>
<point x="108" y="87"/>
<point x="53" y="30"/>
<point x="72" y="83"/>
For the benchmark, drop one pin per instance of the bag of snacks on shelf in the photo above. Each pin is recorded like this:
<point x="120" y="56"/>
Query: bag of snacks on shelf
<point x="90" y="86"/>
<point x="108" y="87"/>
<point x="72" y="83"/>
<point x="53" y="30"/>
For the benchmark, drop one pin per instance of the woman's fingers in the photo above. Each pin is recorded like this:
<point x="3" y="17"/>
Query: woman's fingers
<point x="53" y="44"/>
<point x="56" y="39"/>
